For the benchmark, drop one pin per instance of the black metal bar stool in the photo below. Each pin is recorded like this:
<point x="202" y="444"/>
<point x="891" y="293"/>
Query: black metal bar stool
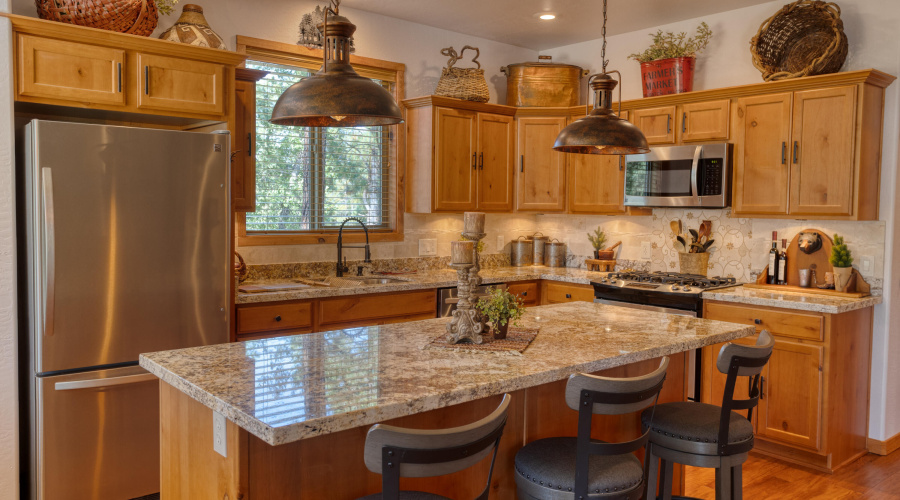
<point x="704" y="435"/>
<point x="579" y="467"/>
<point x="396" y="452"/>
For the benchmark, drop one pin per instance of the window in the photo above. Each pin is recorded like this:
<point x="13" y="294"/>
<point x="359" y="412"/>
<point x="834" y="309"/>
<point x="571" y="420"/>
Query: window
<point x="308" y="179"/>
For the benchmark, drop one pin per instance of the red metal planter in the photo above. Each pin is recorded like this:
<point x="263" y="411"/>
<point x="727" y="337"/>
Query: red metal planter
<point x="667" y="76"/>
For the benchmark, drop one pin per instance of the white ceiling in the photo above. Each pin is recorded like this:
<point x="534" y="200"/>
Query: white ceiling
<point x="514" y="21"/>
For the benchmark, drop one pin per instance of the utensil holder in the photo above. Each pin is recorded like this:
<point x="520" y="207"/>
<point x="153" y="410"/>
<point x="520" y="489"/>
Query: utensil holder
<point x="694" y="263"/>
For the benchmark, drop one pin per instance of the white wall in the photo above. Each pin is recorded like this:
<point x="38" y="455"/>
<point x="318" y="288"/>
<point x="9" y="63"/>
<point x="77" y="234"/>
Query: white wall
<point x="870" y="26"/>
<point x="9" y="429"/>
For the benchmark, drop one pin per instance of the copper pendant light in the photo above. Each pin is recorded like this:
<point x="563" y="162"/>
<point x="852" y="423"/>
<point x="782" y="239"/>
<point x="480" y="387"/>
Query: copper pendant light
<point x="336" y="96"/>
<point x="602" y="132"/>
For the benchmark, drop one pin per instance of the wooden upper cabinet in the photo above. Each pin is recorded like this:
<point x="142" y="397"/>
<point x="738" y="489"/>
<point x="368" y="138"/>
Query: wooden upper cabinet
<point x="455" y="159"/>
<point x="705" y="121"/>
<point x="657" y="124"/>
<point x="761" y="170"/>
<point x="496" y="145"/>
<point x="790" y="409"/>
<point x="243" y="140"/>
<point x="57" y="69"/>
<point x="173" y="84"/>
<point x="596" y="183"/>
<point x="541" y="177"/>
<point x="822" y="151"/>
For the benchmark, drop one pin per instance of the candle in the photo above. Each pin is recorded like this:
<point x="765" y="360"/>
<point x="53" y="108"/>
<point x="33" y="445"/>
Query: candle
<point x="473" y="222"/>
<point x="462" y="252"/>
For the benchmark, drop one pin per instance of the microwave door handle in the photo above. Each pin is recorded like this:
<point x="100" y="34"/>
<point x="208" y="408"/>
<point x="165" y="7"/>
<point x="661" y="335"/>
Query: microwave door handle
<point x="695" y="167"/>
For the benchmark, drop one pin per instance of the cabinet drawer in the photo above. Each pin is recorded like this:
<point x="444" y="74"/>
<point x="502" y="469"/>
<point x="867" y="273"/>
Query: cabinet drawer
<point x="528" y="291"/>
<point x="784" y="324"/>
<point x="565" y="292"/>
<point x="71" y="71"/>
<point x="172" y="84"/>
<point x="267" y="335"/>
<point x="343" y="310"/>
<point x="270" y="317"/>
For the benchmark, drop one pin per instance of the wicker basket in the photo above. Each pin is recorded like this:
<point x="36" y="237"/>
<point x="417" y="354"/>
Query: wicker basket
<point x="137" y="17"/>
<point x="804" y="38"/>
<point x="463" y="83"/>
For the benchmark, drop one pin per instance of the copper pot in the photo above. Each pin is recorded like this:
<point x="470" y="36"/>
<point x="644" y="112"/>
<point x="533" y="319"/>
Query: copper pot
<point x="543" y="83"/>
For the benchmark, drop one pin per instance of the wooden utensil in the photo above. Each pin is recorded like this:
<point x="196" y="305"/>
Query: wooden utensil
<point x="676" y="227"/>
<point x="608" y="253"/>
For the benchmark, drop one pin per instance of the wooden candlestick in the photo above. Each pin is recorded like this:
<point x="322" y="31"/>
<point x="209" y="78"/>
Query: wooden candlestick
<point x="473" y="222"/>
<point x="462" y="252"/>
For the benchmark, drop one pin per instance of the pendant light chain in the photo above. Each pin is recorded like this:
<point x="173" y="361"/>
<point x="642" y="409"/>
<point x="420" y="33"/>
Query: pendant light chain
<point x="603" y="34"/>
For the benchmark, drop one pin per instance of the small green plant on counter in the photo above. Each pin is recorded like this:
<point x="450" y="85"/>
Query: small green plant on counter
<point x="840" y="254"/>
<point x="479" y="247"/>
<point x="598" y="239"/>
<point x="501" y="307"/>
<point x="668" y="45"/>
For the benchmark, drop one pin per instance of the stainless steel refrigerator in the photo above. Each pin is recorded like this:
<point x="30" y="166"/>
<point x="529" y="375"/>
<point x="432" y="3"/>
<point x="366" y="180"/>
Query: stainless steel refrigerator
<point x="127" y="252"/>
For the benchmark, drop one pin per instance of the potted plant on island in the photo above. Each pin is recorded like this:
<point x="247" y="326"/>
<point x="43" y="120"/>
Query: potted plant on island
<point x="842" y="262"/>
<point x="667" y="66"/>
<point x="501" y="308"/>
<point x="598" y="239"/>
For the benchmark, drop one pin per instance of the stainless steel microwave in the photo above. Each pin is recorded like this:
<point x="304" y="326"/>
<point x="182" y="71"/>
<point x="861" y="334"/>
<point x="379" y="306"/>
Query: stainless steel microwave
<point x="679" y="176"/>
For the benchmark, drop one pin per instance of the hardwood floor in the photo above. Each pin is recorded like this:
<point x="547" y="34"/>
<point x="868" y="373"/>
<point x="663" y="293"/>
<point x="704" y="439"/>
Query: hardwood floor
<point x="872" y="477"/>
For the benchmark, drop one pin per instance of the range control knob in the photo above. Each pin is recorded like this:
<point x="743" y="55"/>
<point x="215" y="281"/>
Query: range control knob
<point x="674" y="288"/>
<point x="686" y="288"/>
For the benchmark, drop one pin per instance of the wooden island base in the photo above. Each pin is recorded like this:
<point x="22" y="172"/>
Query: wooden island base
<point x="331" y="466"/>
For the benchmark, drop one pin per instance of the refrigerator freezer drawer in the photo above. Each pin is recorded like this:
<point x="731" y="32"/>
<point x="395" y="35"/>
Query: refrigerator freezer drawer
<point x="96" y="435"/>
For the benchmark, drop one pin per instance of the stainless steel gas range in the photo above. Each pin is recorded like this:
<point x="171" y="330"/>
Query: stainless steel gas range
<point x="672" y="293"/>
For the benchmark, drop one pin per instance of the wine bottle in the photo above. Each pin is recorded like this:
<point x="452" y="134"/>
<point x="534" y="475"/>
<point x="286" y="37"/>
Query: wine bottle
<point x="782" y="263"/>
<point x="772" y="276"/>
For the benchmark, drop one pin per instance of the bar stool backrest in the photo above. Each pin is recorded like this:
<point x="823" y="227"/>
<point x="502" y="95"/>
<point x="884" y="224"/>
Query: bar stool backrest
<point x="762" y="349"/>
<point x="396" y="452"/>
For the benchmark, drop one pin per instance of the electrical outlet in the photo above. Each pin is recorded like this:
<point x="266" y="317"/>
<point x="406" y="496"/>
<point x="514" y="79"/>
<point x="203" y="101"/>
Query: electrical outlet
<point x="500" y="242"/>
<point x="427" y="247"/>
<point x="219" y="443"/>
<point x="646" y="250"/>
<point x="866" y="263"/>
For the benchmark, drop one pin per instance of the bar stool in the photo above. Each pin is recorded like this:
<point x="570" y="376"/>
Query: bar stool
<point x="704" y="435"/>
<point x="563" y="467"/>
<point x="396" y="452"/>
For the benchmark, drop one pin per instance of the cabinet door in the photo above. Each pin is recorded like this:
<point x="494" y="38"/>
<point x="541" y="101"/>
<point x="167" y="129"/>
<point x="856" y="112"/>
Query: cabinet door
<point x="172" y="84"/>
<point x="705" y="121"/>
<point x="541" y="179"/>
<point x="243" y="141"/>
<point x="496" y="162"/>
<point x="57" y="69"/>
<point x="761" y="154"/>
<point x="657" y="124"/>
<point x="596" y="183"/>
<point x="790" y="407"/>
<point x="822" y="160"/>
<point x="454" y="159"/>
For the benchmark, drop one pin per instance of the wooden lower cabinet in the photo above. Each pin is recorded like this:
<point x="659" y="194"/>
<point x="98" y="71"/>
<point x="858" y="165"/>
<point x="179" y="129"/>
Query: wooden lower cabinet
<point x="813" y="408"/>
<point x="553" y="292"/>
<point x="530" y="291"/>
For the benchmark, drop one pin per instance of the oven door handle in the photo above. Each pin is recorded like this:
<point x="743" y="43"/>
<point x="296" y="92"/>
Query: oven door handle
<point x="646" y="307"/>
<point x="695" y="167"/>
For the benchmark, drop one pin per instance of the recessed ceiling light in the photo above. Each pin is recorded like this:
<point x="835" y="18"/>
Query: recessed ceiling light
<point x="546" y="16"/>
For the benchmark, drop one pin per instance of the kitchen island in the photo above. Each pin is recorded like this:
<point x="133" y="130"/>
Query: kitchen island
<point x="298" y="407"/>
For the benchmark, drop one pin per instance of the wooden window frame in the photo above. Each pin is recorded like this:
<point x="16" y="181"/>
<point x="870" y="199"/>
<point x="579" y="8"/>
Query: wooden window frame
<point x="284" y="53"/>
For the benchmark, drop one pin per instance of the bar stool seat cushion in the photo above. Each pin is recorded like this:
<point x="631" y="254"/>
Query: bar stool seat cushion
<point x="551" y="463"/>
<point x="409" y="495"/>
<point x="694" y="427"/>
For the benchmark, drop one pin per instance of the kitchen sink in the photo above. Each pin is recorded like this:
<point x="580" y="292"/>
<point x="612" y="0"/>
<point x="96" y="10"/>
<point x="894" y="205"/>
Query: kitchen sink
<point x="376" y="281"/>
<point x="349" y="281"/>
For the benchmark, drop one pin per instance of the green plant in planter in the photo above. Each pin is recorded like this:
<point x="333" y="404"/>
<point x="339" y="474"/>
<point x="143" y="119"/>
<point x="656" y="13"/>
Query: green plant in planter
<point x="165" y="7"/>
<point x="501" y="307"/>
<point x="840" y="254"/>
<point x="598" y="239"/>
<point x="668" y="45"/>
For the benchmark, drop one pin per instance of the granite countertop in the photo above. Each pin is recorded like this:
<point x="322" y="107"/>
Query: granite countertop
<point x="422" y="280"/>
<point x="790" y="300"/>
<point x="290" y="388"/>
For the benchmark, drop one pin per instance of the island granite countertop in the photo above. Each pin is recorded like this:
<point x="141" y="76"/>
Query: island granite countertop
<point x="290" y="388"/>
<point x="790" y="300"/>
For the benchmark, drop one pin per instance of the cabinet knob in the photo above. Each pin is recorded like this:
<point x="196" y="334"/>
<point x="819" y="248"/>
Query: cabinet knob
<point x="757" y="321"/>
<point x="277" y="318"/>
<point x="568" y="295"/>
<point x="524" y="294"/>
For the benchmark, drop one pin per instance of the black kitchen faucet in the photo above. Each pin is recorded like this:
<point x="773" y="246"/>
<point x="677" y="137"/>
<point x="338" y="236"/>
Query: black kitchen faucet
<point x="341" y="260"/>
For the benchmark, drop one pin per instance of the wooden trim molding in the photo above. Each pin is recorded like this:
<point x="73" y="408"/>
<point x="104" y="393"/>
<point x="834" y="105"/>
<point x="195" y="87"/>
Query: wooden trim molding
<point x="883" y="447"/>
<point x="449" y="102"/>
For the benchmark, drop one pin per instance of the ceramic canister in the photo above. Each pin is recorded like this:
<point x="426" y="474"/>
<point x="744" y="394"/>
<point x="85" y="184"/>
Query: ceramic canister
<point x="191" y="28"/>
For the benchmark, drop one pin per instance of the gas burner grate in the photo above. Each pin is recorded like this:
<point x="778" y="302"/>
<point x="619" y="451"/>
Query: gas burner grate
<point x="666" y="278"/>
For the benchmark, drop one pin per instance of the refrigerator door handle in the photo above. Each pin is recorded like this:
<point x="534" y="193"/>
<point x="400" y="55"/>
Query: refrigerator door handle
<point x="49" y="250"/>
<point x="104" y="382"/>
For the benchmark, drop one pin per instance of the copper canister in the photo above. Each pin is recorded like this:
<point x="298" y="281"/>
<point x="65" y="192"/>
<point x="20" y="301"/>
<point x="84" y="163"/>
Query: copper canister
<point x="543" y="83"/>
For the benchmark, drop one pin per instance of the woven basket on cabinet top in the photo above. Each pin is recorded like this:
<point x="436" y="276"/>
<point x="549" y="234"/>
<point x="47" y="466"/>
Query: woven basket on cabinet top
<point x="804" y="38"/>
<point x="137" y="17"/>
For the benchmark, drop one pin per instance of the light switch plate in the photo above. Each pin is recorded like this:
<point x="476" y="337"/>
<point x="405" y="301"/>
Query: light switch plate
<point x="427" y="246"/>
<point x="219" y="442"/>
<point x="866" y="263"/>
<point x="646" y="250"/>
<point x="501" y="242"/>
